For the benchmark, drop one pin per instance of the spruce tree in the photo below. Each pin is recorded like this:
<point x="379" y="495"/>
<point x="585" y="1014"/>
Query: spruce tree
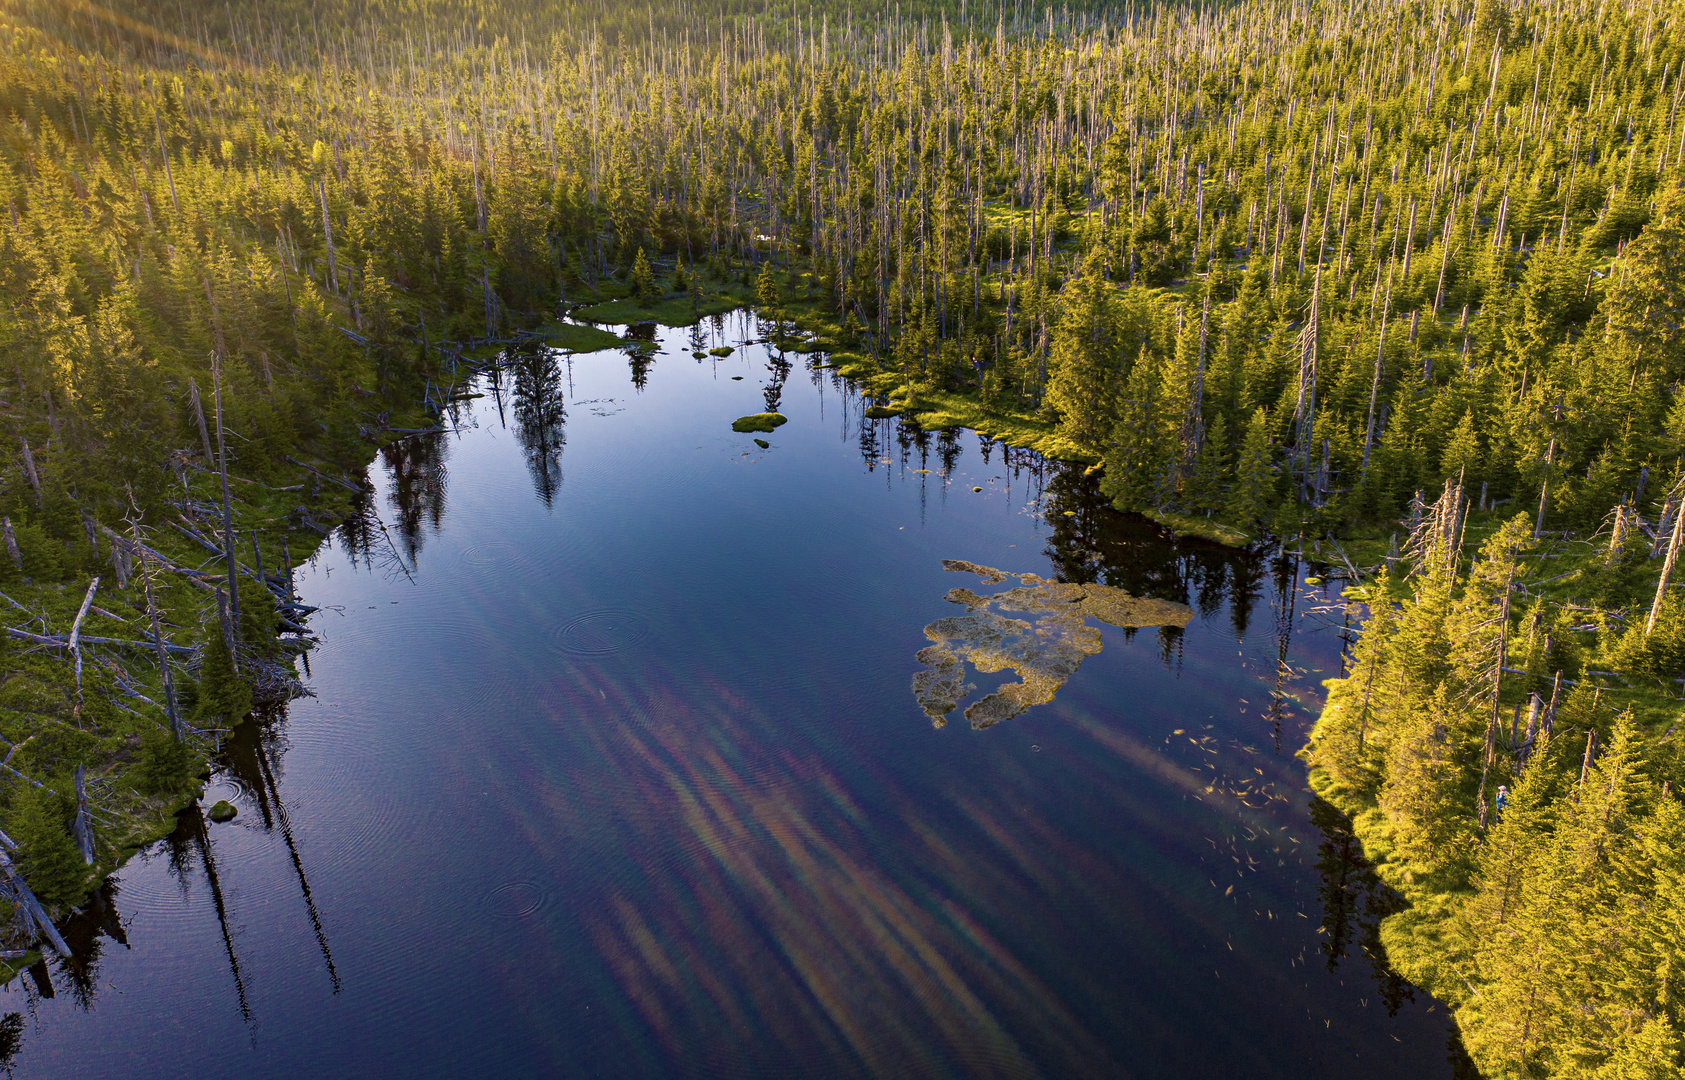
<point x="223" y="694"/>
<point x="380" y="316"/>
<point x="766" y="289"/>
<point x="1137" y="457"/>
<point x="644" y="291"/>
<point x="1426" y="795"/>
<point x="1646" y="304"/>
<point x="47" y="854"/>
<point x="166" y="763"/>
<point x="1462" y="456"/>
<point x="1083" y="369"/>
<point x="1252" y="494"/>
<point x="1209" y="485"/>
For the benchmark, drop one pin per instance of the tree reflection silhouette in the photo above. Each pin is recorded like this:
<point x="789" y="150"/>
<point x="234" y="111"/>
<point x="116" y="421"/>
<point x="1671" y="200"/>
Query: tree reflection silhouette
<point x="417" y="469"/>
<point x="252" y="755"/>
<point x="778" y="367"/>
<point x="640" y="360"/>
<point x="1354" y="901"/>
<point x="540" y="407"/>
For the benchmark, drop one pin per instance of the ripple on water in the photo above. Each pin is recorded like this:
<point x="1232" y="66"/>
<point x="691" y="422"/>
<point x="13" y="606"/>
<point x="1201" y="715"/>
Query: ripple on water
<point x="489" y="554"/>
<point x="515" y="899"/>
<point x="600" y="632"/>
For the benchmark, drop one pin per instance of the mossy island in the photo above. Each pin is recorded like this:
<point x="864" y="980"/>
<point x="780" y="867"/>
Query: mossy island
<point x="765" y="421"/>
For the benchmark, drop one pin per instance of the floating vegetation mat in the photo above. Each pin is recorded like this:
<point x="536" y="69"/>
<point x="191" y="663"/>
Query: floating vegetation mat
<point x="1043" y="653"/>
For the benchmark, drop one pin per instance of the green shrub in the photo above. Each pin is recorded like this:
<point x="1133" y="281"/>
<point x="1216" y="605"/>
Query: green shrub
<point x="1659" y="654"/>
<point x="47" y="855"/>
<point x="222" y="694"/>
<point x="165" y="762"/>
<point x="43" y="556"/>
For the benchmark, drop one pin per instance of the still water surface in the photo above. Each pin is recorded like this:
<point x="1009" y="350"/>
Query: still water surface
<point x="614" y="768"/>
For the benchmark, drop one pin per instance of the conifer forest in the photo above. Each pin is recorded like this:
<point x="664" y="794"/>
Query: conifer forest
<point x="1395" y="285"/>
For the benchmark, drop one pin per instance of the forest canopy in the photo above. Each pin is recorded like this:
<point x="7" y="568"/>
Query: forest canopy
<point x="1403" y="276"/>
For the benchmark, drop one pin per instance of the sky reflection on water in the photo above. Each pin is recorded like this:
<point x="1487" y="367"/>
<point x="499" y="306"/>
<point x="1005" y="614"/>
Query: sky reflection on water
<point x="614" y="769"/>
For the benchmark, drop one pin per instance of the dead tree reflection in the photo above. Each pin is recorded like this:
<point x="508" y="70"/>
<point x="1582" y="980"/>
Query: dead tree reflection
<point x="252" y="755"/>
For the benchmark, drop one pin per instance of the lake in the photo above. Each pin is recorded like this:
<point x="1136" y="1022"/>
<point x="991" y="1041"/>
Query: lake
<point x="614" y="767"/>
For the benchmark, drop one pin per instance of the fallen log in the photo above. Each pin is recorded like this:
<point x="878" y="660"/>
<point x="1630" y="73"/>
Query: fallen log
<point x="28" y="902"/>
<point x="348" y="485"/>
<point x="63" y="640"/>
<point x="196" y="577"/>
<point x="82" y="828"/>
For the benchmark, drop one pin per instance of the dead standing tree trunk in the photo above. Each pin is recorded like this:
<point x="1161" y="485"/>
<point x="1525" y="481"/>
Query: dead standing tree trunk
<point x="171" y="709"/>
<point x="11" y="542"/>
<point x="217" y="355"/>
<point x="76" y="647"/>
<point x="1667" y="572"/>
<point x="29" y="470"/>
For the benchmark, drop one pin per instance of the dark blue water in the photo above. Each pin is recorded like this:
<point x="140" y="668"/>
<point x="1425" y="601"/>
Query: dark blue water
<point x="614" y="768"/>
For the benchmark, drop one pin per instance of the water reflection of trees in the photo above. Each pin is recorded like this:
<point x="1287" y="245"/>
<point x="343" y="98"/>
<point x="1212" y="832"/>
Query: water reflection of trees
<point x="366" y="539"/>
<point x="11" y="1039"/>
<point x="1354" y="901"/>
<point x="540" y="407"/>
<point x="868" y="443"/>
<point x="778" y="370"/>
<point x="1089" y="541"/>
<point x="418" y="476"/>
<point x="250" y="757"/>
<point x="948" y="449"/>
<point x="640" y="360"/>
<point x="362" y="523"/>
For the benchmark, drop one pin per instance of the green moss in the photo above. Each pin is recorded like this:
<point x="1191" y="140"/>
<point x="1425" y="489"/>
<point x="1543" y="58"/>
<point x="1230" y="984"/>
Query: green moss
<point x="938" y="411"/>
<point x="1204" y="528"/>
<point x="575" y="338"/>
<point x="765" y="421"/>
<point x="223" y="811"/>
<point x="721" y="350"/>
<point x="673" y="311"/>
<point x="881" y="412"/>
<point x="763" y="444"/>
<point x="11" y="968"/>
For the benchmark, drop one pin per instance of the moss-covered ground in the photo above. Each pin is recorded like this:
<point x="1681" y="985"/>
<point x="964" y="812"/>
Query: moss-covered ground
<point x="674" y="309"/>
<point x="766" y="421"/>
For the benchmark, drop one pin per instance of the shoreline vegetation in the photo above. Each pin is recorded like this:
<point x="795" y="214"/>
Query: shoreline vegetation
<point x="1399" y="283"/>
